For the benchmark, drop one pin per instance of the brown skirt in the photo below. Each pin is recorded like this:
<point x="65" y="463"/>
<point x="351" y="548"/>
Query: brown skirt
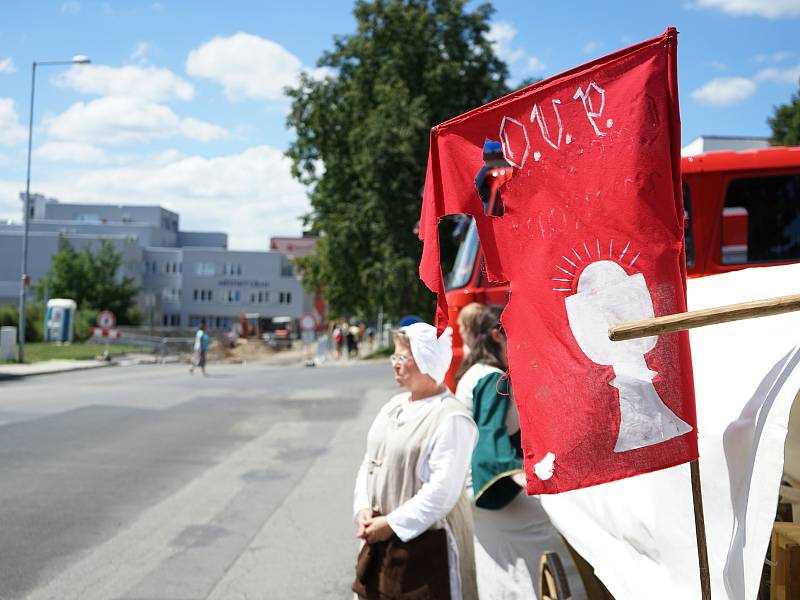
<point x="397" y="570"/>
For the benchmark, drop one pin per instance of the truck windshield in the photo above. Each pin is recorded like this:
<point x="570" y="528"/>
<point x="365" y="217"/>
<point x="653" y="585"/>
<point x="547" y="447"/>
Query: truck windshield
<point x="465" y="258"/>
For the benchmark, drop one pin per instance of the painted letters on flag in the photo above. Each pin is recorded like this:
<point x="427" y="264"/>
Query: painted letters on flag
<point x="591" y="236"/>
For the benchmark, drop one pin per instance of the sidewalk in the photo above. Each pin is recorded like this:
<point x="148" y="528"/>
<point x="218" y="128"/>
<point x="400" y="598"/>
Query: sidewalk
<point x="293" y="357"/>
<point x="47" y="367"/>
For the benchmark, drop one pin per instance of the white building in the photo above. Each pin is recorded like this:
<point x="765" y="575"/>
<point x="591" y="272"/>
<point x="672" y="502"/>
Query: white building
<point x="714" y="143"/>
<point x="185" y="276"/>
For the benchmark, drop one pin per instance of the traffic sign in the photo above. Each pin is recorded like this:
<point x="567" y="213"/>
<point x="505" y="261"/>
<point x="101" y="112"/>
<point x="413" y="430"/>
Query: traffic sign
<point x="308" y="322"/>
<point x="106" y="333"/>
<point x="106" y="320"/>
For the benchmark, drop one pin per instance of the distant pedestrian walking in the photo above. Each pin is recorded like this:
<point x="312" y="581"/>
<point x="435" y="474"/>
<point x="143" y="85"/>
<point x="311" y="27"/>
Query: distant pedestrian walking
<point x="200" y="348"/>
<point x="353" y="334"/>
<point x="338" y="340"/>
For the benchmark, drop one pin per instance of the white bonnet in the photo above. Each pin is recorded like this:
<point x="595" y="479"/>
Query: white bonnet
<point x="432" y="354"/>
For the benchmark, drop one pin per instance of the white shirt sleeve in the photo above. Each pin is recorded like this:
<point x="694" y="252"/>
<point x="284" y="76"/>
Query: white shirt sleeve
<point x="447" y="465"/>
<point x="360" y="498"/>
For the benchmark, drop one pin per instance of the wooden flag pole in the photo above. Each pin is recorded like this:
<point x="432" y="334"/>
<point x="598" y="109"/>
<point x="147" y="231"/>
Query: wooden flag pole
<point x="701" y="318"/>
<point x="700" y="531"/>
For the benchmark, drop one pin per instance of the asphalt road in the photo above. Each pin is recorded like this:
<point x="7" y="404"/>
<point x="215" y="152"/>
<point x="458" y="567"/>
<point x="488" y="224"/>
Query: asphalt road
<point x="148" y="483"/>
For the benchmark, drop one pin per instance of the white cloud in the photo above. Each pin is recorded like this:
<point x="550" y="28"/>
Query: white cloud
<point x="725" y="91"/>
<point x="124" y="119"/>
<point x="140" y="52"/>
<point x="535" y="65"/>
<point x="250" y="195"/>
<point x="788" y="75"/>
<point x="771" y="9"/>
<point x="11" y="130"/>
<point x="150" y="83"/>
<point x="7" y="65"/>
<point x="592" y="47"/>
<point x="71" y="7"/>
<point x="247" y="66"/>
<point x="775" y="57"/>
<point x="501" y="35"/>
<point x="10" y="205"/>
<point x="74" y="152"/>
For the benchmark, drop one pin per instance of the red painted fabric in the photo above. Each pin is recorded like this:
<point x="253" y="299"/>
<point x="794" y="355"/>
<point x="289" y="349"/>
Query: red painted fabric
<point x="592" y="235"/>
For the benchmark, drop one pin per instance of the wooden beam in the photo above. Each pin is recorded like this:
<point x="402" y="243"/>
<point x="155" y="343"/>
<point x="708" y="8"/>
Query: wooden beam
<point x="701" y="318"/>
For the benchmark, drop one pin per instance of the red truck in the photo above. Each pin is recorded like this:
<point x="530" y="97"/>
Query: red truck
<point x="742" y="210"/>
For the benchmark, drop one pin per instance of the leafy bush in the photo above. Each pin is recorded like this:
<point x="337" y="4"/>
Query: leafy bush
<point x="89" y="277"/>
<point x="34" y="320"/>
<point x="85" y="322"/>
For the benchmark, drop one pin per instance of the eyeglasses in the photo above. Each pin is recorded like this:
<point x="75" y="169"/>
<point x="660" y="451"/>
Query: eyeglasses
<point x="399" y="359"/>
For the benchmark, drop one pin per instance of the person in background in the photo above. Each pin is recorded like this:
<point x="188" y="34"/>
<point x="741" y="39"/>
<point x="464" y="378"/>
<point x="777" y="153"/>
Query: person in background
<point x="411" y="507"/>
<point x="337" y="335"/>
<point x="200" y="348"/>
<point x="512" y="530"/>
<point x="468" y="322"/>
<point x="370" y="333"/>
<point x="353" y="333"/>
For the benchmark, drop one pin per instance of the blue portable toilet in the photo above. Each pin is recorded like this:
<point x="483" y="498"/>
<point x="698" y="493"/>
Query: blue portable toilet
<point x="60" y="320"/>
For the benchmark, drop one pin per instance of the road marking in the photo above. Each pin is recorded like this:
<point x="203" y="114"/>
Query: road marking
<point x="114" y="567"/>
<point x="314" y="520"/>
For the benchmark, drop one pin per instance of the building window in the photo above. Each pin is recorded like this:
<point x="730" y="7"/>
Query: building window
<point x="195" y="295"/>
<point x="202" y="295"/>
<point x="761" y="220"/>
<point x="210" y="296"/>
<point x="205" y="269"/>
<point x="232" y="269"/>
<point x="288" y="297"/>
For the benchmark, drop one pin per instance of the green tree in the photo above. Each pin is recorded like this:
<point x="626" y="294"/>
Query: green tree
<point x="362" y="143"/>
<point x="91" y="279"/>
<point x="785" y="123"/>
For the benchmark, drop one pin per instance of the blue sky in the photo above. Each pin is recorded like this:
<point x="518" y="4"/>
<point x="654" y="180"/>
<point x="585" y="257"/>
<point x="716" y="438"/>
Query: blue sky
<point x="182" y="105"/>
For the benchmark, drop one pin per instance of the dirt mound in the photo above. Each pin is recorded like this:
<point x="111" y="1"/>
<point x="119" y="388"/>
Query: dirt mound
<point x="243" y="350"/>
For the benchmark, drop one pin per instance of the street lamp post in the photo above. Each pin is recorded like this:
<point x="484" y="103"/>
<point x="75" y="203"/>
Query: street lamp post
<point x="23" y="292"/>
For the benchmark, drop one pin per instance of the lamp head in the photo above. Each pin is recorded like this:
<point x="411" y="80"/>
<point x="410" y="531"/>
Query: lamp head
<point x="81" y="59"/>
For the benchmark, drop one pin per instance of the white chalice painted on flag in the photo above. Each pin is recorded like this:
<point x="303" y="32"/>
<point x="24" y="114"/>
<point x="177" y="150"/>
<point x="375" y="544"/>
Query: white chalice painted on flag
<point x="607" y="296"/>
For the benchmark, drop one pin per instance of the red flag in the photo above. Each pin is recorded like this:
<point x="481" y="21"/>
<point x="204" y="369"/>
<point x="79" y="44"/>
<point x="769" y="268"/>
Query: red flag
<point x="591" y="236"/>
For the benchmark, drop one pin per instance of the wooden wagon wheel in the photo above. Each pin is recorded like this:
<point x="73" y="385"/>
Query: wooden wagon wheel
<point x="552" y="579"/>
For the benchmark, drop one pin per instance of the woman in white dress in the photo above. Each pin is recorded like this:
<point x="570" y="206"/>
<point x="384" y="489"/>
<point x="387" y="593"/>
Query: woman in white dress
<point x="512" y="530"/>
<point x="410" y="503"/>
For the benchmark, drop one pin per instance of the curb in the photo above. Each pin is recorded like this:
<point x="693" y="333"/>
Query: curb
<point x="6" y="376"/>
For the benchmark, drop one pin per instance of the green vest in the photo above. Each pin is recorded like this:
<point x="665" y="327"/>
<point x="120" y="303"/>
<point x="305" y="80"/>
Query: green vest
<point x="495" y="457"/>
